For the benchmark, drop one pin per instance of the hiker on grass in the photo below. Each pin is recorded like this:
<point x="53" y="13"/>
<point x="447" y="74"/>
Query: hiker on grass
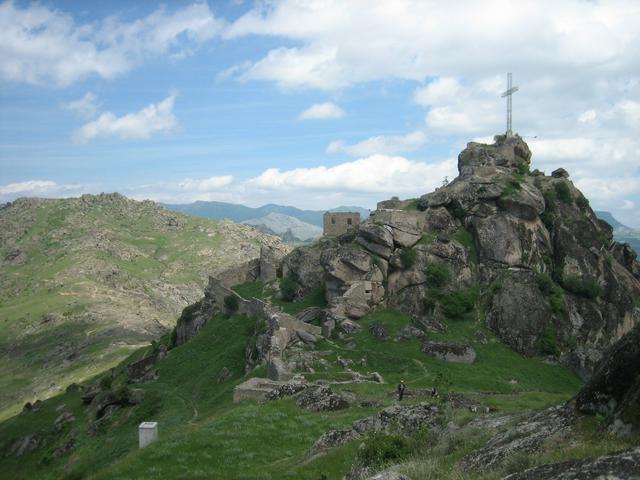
<point x="401" y="388"/>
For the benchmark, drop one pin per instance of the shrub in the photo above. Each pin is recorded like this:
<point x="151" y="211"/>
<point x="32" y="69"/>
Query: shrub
<point x="545" y="284"/>
<point x="582" y="203"/>
<point x="380" y="449"/>
<point x="550" y="199"/>
<point x="585" y="287"/>
<point x="563" y="192"/>
<point x="456" y="304"/>
<point x="231" y="304"/>
<point x="523" y="168"/>
<point x="173" y="340"/>
<point x="288" y="288"/>
<point x="510" y="187"/>
<point x="408" y="257"/>
<point x="548" y="341"/>
<point x="548" y="219"/>
<point x="437" y="275"/>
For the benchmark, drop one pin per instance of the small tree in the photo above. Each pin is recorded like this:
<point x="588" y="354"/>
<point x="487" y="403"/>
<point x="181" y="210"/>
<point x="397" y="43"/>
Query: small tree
<point x="231" y="304"/>
<point x="288" y="288"/>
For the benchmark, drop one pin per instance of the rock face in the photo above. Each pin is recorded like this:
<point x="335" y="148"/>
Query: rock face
<point x="527" y="436"/>
<point x="619" y="466"/>
<point x="614" y="389"/>
<point x="523" y="249"/>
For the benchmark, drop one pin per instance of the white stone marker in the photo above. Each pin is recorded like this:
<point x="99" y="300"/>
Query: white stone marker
<point x="147" y="433"/>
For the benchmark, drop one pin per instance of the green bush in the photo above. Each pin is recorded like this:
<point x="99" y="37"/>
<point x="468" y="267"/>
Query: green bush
<point x="380" y="449"/>
<point x="582" y="203"/>
<point x="288" y="288"/>
<point x="523" y="168"/>
<point x="457" y="303"/>
<point x="231" y="304"/>
<point x="585" y="287"/>
<point x="510" y="187"/>
<point x="548" y="341"/>
<point x="174" y="338"/>
<point x="437" y="275"/>
<point x="548" y="219"/>
<point x="545" y="284"/>
<point x="563" y="192"/>
<point x="408" y="257"/>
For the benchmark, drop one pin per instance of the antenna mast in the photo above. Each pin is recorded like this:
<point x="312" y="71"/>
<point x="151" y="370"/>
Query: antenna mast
<point x="510" y="91"/>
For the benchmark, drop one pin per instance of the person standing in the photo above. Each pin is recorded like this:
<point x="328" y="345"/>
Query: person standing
<point x="401" y="388"/>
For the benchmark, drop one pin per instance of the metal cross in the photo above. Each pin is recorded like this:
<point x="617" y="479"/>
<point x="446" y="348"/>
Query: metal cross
<point x="510" y="91"/>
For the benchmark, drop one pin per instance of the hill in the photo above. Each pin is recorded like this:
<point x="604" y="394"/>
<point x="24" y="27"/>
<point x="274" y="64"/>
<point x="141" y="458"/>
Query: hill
<point x="621" y="233"/>
<point x="86" y="280"/>
<point x="489" y="299"/>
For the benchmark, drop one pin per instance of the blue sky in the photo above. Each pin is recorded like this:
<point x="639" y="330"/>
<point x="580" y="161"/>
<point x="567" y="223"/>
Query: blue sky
<point x="312" y="103"/>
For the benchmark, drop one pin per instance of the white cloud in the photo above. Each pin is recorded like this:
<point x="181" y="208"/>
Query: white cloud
<point x="155" y="118"/>
<point x="343" y="43"/>
<point x="46" y="188"/>
<point x="87" y="106"/>
<point x="322" y="111"/>
<point x="373" y="174"/>
<point x="42" y="46"/>
<point x="628" y="205"/>
<point x="206" y="184"/>
<point x="27" y="187"/>
<point x="587" y="116"/>
<point x="441" y="91"/>
<point x="382" y="144"/>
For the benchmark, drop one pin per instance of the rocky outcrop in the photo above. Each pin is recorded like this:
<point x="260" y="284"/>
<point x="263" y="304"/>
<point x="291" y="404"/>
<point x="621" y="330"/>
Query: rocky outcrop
<point x="450" y="351"/>
<point x="614" y="389"/>
<point x="323" y="399"/>
<point x="618" y="466"/>
<point x="398" y="419"/>
<point x="527" y="436"/>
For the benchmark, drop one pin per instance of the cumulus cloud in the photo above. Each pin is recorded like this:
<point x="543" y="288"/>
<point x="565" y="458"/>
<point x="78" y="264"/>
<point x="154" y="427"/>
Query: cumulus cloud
<point x="87" y="106"/>
<point x="340" y="44"/>
<point x="155" y="118"/>
<point x="373" y="174"/>
<point x="45" y="188"/>
<point x="43" y="46"/>
<point x="205" y="184"/>
<point x="382" y="144"/>
<point x="322" y="111"/>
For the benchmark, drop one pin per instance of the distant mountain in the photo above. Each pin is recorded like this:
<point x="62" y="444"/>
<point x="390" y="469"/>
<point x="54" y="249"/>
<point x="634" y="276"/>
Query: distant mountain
<point x="241" y="213"/>
<point x="621" y="232"/>
<point x="281" y="224"/>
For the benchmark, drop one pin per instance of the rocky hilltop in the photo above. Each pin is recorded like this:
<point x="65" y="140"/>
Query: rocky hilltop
<point x="519" y="250"/>
<point x="83" y="280"/>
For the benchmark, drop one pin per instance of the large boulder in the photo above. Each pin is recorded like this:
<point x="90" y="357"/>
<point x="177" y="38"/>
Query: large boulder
<point x="614" y="389"/>
<point x="617" y="466"/>
<point x="376" y="237"/>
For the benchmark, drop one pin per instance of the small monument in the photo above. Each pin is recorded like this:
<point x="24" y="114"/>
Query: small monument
<point x="147" y="433"/>
<point x="337" y="223"/>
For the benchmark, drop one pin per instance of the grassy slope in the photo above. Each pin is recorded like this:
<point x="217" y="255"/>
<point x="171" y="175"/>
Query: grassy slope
<point x="204" y="435"/>
<point x="116" y="272"/>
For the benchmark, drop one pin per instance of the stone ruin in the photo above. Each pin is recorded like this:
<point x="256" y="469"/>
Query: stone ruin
<point x="338" y="223"/>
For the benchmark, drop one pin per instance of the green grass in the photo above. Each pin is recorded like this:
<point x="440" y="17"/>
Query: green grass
<point x="104" y="267"/>
<point x="263" y="292"/>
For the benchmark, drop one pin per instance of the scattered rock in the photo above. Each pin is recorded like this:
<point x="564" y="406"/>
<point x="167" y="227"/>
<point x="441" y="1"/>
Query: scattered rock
<point x="450" y="351"/>
<point x="526" y="436"/>
<point x="66" y="448"/>
<point x="409" y="332"/>
<point x="322" y="399"/>
<point x="350" y="327"/>
<point x="25" y="445"/>
<point x="618" y="466"/>
<point x="62" y="420"/>
<point x="335" y="438"/>
<point x="402" y="419"/>
<point x="379" y="331"/>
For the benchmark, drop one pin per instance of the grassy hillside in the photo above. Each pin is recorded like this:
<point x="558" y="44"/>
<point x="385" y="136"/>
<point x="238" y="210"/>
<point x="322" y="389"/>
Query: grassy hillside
<point x="84" y="281"/>
<point x="203" y="434"/>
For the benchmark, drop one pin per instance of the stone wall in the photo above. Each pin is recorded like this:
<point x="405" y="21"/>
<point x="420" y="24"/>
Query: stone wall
<point x="337" y="223"/>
